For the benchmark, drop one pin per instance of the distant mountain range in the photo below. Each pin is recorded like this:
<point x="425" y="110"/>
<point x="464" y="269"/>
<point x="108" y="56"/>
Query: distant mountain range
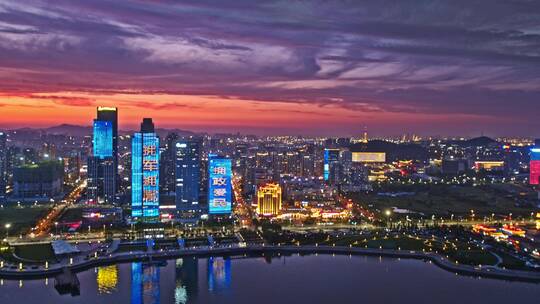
<point x="79" y="131"/>
<point x="67" y="129"/>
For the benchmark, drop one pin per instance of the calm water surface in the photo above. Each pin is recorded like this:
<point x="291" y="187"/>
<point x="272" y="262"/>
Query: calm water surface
<point x="309" y="279"/>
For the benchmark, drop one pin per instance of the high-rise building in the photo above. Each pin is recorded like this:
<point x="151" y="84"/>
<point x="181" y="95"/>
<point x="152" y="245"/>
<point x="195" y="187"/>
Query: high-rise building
<point x="168" y="165"/>
<point x="41" y="181"/>
<point x="512" y="160"/>
<point x="110" y="114"/>
<point x="102" y="139"/>
<point x="3" y="167"/>
<point x="102" y="165"/>
<point x="145" y="173"/>
<point x="535" y="164"/>
<point x="188" y="175"/>
<point x="219" y="185"/>
<point x="269" y="200"/>
<point x="331" y="159"/>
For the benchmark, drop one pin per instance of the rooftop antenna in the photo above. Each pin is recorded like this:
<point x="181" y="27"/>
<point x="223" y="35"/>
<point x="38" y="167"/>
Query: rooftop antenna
<point x="365" y="135"/>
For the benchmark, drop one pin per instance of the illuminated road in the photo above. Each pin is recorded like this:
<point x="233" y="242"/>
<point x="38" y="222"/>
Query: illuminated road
<point x="243" y="210"/>
<point x="45" y="225"/>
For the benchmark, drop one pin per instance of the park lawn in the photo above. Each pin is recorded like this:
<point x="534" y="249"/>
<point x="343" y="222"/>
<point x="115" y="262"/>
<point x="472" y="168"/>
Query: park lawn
<point x="443" y="200"/>
<point x="35" y="252"/>
<point x="511" y="262"/>
<point x="21" y="219"/>
<point x="402" y="243"/>
<point x="345" y="241"/>
<point x="474" y="257"/>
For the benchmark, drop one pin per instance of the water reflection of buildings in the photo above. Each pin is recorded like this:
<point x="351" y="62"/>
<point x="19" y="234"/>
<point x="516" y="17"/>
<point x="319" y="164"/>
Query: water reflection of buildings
<point x="107" y="278"/>
<point x="187" y="280"/>
<point x="144" y="284"/>
<point x="219" y="274"/>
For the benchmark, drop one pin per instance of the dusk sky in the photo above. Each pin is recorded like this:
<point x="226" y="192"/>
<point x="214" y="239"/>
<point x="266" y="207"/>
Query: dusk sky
<point x="455" y="67"/>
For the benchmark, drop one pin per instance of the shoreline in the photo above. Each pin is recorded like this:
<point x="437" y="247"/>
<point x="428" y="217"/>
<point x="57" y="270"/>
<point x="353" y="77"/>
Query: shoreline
<point x="437" y="259"/>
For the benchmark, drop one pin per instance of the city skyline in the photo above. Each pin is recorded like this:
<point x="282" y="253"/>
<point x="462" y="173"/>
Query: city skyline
<point x="279" y="68"/>
<point x="241" y="151"/>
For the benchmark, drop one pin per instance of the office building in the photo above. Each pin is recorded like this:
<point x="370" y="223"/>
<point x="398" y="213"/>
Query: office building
<point x="40" y="182"/>
<point x="110" y="114"/>
<point x="168" y="165"/>
<point x="188" y="175"/>
<point x="331" y="159"/>
<point x="453" y="166"/>
<point x="269" y="200"/>
<point x="219" y="185"/>
<point x="145" y="173"/>
<point x="368" y="157"/>
<point x="102" y="164"/>
<point x="485" y="165"/>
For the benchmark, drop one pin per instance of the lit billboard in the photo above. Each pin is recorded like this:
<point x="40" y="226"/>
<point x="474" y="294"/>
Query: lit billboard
<point x="219" y="188"/>
<point x="369" y="157"/>
<point x="150" y="168"/>
<point x="103" y="139"/>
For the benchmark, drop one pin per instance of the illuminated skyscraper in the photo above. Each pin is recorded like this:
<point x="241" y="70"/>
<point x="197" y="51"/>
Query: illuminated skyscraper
<point x="219" y="185"/>
<point x="110" y="114"/>
<point x="188" y="175"/>
<point x="535" y="164"/>
<point x="269" y="200"/>
<point x="145" y="173"/>
<point x="102" y="165"/>
<point x="3" y="167"/>
<point x="331" y="159"/>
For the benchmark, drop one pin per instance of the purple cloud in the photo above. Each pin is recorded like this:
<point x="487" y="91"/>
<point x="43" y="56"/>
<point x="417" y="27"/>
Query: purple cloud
<point x="453" y="57"/>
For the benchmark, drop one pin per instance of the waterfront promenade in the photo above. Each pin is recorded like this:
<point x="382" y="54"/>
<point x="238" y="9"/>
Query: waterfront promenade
<point x="80" y="263"/>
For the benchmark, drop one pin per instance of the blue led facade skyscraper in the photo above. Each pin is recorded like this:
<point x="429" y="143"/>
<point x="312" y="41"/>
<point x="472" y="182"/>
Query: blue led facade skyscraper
<point x="188" y="175"/>
<point x="219" y="185"/>
<point x="331" y="158"/>
<point x="103" y="139"/>
<point x="145" y="173"/>
<point x="102" y="164"/>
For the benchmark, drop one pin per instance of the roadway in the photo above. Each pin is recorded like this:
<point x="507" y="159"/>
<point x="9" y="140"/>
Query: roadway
<point x="243" y="209"/>
<point x="45" y="224"/>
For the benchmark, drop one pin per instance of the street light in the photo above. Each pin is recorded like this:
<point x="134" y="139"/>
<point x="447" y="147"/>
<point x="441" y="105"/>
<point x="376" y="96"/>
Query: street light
<point x="7" y="226"/>
<point x="388" y="213"/>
